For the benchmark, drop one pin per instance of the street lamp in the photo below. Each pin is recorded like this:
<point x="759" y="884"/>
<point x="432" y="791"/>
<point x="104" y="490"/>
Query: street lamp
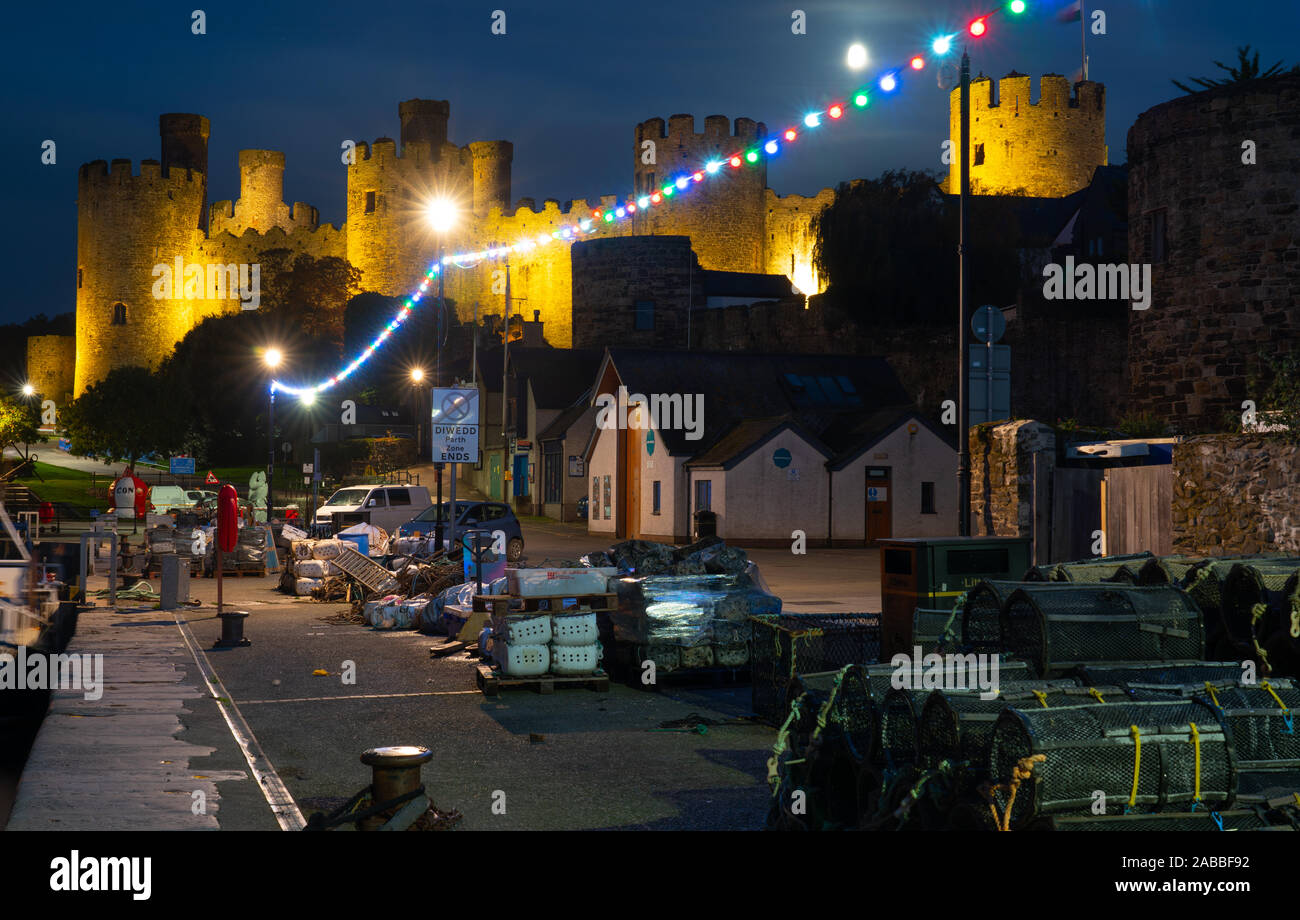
<point x="29" y="390"/>
<point x="856" y="57"/>
<point x="271" y="358"/>
<point x="417" y="375"/>
<point x="441" y="213"/>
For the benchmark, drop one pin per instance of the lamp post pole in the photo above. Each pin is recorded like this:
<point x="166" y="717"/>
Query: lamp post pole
<point x="963" y="294"/>
<point x="270" y="444"/>
<point x="437" y="382"/>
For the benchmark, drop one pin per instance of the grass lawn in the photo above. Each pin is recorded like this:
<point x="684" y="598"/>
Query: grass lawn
<point x="71" y="487"/>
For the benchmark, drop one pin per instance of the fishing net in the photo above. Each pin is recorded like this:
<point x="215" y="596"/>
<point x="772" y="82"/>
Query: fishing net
<point x="1131" y="756"/>
<point x="936" y="630"/>
<point x="981" y="629"/>
<point x="1117" y="569"/>
<point x="1054" y="628"/>
<point x="1201" y="820"/>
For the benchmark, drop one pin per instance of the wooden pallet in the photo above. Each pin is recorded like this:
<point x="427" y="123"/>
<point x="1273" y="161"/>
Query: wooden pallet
<point x="491" y="681"/>
<point x="501" y="604"/>
<point x="259" y="572"/>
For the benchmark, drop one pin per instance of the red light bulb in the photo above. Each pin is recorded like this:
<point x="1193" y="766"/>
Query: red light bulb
<point x="918" y="62"/>
<point x="735" y="161"/>
<point x="790" y="134"/>
<point x="978" y="27"/>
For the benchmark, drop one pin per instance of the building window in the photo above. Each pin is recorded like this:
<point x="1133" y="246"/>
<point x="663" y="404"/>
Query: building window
<point x="119" y="314"/>
<point x="79" y="274"/>
<point x="645" y="315"/>
<point x="552" y="489"/>
<point x="593" y="502"/>
<point x="927" y="498"/>
<point x="370" y="202"/>
<point x="655" y="508"/>
<point x="979" y="155"/>
<point x="650" y="183"/>
<point x="1159" y="238"/>
<point x="704" y="495"/>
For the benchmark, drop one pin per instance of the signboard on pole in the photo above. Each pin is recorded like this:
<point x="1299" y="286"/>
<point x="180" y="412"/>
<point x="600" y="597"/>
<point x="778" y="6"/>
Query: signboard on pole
<point x="455" y="425"/>
<point x="179" y="465"/>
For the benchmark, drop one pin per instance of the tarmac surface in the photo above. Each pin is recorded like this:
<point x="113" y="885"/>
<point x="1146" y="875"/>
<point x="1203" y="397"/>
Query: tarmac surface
<point x="575" y="759"/>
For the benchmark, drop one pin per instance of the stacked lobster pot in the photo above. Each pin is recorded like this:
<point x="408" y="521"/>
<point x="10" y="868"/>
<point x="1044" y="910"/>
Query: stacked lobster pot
<point x="531" y="644"/>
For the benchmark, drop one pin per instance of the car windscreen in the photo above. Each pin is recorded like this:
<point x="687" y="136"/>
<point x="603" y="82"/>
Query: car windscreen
<point x="348" y="497"/>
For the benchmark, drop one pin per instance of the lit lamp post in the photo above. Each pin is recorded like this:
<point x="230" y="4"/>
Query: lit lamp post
<point x="441" y="213"/>
<point x="272" y="359"/>
<point x="29" y="390"/>
<point x="417" y="376"/>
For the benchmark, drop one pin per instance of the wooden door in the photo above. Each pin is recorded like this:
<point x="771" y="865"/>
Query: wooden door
<point x="879" y="502"/>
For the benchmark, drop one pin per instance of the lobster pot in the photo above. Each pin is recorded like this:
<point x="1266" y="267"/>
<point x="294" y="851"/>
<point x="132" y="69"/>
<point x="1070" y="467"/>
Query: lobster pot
<point x="731" y="656"/>
<point x="524" y="630"/>
<point x="981" y="627"/>
<point x="521" y="660"/>
<point x="1265" y="735"/>
<point x="849" y="711"/>
<point x="1254" y="598"/>
<point x="1168" y="570"/>
<point x="1104" y="747"/>
<point x="899" y="714"/>
<point x="578" y="628"/>
<point x="1104" y="569"/>
<point x="697" y="656"/>
<point x="1200" y="820"/>
<point x="881" y="677"/>
<point x="787" y="645"/>
<point x="575" y="659"/>
<point x="1149" y="675"/>
<point x="936" y="630"/>
<point x="666" y="658"/>
<point x="1055" y="628"/>
<point x="958" y="724"/>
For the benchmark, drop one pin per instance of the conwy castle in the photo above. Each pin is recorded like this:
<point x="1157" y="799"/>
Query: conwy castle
<point x="129" y="222"/>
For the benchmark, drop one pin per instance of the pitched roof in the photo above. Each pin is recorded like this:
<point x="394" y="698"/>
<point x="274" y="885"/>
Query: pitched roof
<point x="748" y="436"/>
<point x="559" y="426"/>
<point x="813" y="389"/>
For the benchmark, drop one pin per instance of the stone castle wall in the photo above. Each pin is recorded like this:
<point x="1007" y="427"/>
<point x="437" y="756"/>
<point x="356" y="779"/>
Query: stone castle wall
<point x="1236" y="494"/>
<point x="1227" y="285"/>
<point x="50" y="362"/>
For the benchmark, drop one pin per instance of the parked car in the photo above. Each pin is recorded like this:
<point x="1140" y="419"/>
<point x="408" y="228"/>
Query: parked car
<point x="200" y="496"/>
<point x="475" y="515"/>
<point x="383" y="506"/>
<point x="166" y="499"/>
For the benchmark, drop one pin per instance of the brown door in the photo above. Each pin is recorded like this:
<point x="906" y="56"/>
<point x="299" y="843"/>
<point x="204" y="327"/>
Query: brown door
<point x="630" y="484"/>
<point x="880" y="517"/>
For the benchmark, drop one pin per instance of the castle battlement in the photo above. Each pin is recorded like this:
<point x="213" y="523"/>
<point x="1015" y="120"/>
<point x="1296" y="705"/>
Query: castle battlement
<point x="1055" y="96"/>
<point x="716" y="127"/>
<point x="98" y="174"/>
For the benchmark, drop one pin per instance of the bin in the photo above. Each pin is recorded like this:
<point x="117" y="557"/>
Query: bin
<point x="933" y="572"/>
<point x="362" y="540"/>
<point x="706" y="524"/>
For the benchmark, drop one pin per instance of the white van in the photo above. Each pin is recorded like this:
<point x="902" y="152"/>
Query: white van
<point x="383" y="506"/>
<point x="166" y="499"/>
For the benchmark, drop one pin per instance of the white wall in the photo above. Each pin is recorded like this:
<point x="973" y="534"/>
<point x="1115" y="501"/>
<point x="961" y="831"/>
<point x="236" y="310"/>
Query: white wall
<point x="759" y="500"/>
<point x="604" y="461"/>
<point x="913" y="459"/>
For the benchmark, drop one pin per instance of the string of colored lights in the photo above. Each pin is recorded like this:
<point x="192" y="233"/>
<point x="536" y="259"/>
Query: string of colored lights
<point x="601" y="218"/>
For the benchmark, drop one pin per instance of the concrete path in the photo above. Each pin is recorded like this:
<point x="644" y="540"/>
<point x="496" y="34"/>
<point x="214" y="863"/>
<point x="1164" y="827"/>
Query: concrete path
<point x="115" y="763"/>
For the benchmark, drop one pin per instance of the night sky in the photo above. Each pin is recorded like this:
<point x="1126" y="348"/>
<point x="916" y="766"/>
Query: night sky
<point x="566" y="84"/>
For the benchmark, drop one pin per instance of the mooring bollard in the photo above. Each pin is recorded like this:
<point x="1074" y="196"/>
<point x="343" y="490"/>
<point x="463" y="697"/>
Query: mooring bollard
<point x="395" y="772"/>
<point x="232" y="629"/>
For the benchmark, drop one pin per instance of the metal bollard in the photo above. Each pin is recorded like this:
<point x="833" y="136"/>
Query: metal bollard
<point x="232" y="629"/>
<point x="395" y="771"/>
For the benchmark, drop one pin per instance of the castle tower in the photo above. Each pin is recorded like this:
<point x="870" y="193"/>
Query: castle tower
<point x="424" y="121"/>
<point x="260" y="206"/>
<point x="185" y="146"/>
<point x="723" y="215"/>
<point x="492" y="161"/>
<point x="126" y="225"/>
<point x="1044" y="149"/>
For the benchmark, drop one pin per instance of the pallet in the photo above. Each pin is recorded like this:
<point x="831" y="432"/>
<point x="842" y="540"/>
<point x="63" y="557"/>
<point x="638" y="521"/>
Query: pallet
<point x="501" y="604"/>
<point x="491" y="681"/>
<point x="259" y="572"/>
<point x="154" y="569"/>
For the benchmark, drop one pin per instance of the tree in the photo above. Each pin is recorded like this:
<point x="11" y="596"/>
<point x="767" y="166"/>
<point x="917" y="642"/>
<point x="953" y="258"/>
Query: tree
<point x="19" y="422"/>
<point x="1247" y="69"/>
<point x="130" y="414"/>
<point x="311" y="293"/>
<point x="888" y="249"/>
